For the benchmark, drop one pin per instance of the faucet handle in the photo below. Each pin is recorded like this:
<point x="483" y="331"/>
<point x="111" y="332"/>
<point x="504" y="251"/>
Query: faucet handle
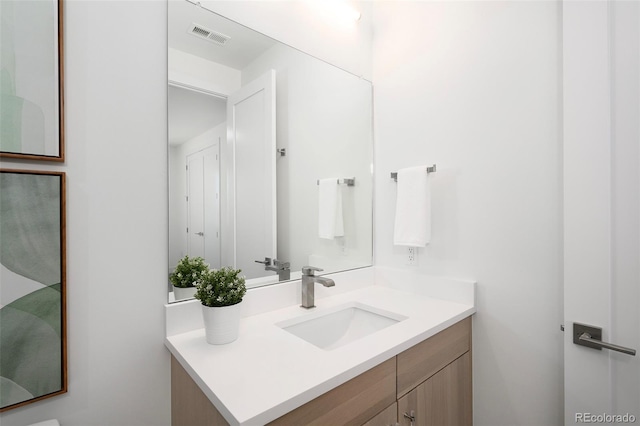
<point x="266" y="262"/>
<point x="280" y="264"/>
<point x="309" y="270"/>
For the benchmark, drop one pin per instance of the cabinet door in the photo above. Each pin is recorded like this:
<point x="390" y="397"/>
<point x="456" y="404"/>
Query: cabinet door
<point x="388" y="417"/>
<point x="442" y="400"/>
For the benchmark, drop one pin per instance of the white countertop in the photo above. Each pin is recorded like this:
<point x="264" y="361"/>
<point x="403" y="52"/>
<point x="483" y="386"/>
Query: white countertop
<point x="268" y="372"/>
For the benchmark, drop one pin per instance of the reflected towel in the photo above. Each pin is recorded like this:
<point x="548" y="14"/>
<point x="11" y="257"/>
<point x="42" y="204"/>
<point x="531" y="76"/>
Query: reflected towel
<point x="330" y="222"/>
<point x="413" y="208"/>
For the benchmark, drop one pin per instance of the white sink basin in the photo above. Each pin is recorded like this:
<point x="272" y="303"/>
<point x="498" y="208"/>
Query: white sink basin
<point x="332" y="328"/>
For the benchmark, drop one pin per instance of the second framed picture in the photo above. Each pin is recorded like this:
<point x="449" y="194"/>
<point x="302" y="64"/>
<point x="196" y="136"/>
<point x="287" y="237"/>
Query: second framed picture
<point x="33" y="275"/>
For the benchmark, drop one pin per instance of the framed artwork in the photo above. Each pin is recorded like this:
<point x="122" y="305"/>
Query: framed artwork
<point x="31" y="80"/>
<point x="32" y="294"/>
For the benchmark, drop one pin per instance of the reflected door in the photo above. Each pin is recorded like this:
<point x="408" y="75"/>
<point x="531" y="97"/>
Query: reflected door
<point x="251" y="114"/>
<point x="203" y="205"/>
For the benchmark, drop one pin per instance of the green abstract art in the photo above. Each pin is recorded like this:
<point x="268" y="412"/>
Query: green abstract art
<point x="32" y="296"/>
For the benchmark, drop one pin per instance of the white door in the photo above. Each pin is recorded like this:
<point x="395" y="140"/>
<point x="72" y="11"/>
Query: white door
<point x="251" y="185"/>
<point x="601" y="93"/>
<point x="211" y="178"/>
<point x="203" y="205"/>
<point x="195" y="205"/>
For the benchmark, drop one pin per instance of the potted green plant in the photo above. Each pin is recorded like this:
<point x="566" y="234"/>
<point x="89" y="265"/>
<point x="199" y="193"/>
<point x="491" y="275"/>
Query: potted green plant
<point x="186" y="275"/>
<point x="220" y="291"/>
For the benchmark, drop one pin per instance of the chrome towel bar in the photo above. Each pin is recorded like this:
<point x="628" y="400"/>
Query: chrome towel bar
<point x="346" y="181"/>
<point x="432" y="169"/>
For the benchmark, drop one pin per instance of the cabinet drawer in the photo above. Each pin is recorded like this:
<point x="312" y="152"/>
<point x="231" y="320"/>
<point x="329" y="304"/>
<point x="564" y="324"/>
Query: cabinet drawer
<point x="351" y="403"/>
<point x="418" y="363"/>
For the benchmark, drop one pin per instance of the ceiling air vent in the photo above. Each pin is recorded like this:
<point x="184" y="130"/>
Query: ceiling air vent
<point x="207" y="34"/>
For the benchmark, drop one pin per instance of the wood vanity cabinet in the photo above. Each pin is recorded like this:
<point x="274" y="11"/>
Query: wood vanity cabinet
<point x="428" y="384"/>
<point x="434" y="379"/>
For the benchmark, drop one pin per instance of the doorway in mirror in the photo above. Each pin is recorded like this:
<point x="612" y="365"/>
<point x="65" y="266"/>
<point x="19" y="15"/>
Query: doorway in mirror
<point x="203" y="204"/>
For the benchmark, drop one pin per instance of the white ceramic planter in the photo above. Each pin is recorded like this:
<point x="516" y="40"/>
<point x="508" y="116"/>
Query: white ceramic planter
<point x="221" y="324"/>
<point x="181" y="293"/>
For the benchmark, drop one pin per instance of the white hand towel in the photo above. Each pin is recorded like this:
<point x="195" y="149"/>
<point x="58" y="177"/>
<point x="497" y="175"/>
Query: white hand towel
<point x="413" y="208"/>
<point x="330" y="222"/>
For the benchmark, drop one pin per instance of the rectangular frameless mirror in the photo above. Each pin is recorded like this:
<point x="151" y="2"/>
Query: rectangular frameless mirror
<point x="270" y="153"/>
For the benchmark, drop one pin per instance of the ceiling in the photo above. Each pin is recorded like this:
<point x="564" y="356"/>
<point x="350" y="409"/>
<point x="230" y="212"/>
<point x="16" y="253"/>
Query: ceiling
<point x="192" y="113"/>
<point x="243" y="47"/>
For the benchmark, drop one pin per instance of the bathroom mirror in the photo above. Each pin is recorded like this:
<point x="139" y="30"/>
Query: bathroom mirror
<point x="270" y="153"/>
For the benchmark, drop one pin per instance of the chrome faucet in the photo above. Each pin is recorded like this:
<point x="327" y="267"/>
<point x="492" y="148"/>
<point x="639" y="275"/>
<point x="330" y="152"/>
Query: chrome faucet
<point x="308" y="281"/>
<point x="281" y="268"/>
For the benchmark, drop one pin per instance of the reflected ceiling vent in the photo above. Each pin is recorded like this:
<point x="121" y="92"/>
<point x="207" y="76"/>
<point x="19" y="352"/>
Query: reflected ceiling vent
<point x="207" y="34"/>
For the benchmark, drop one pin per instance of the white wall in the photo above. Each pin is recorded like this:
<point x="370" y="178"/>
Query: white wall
<point x="115" y="81"/>
<point x="474" y="87"/>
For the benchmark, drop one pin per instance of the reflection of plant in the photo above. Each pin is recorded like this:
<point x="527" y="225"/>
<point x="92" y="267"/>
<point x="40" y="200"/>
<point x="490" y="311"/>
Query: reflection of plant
<point x="221" y="287"/>
<point x="188" y="272"/>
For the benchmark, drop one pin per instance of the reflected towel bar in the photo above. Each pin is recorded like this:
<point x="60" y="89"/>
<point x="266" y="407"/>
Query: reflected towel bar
<point x="432" y="169"/>
<point x="347" y="181"/>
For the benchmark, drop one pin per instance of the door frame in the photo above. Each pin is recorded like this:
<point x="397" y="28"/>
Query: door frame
<point x="185" y="220"/>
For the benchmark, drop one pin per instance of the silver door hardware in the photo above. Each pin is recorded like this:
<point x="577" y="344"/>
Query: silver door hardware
<point x="411" y="416"/>
<point x="591" y="337"/>
<point x="200" y="233"/>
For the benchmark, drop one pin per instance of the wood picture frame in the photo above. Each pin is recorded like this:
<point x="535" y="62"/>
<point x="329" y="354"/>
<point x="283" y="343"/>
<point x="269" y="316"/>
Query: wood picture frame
<point x="33" y="337"/>
<point x="32" y="86"/>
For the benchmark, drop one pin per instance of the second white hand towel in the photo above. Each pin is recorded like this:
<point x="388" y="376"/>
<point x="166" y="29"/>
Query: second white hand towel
<point x="413" y="208"/>
<point x="330" y="222"/>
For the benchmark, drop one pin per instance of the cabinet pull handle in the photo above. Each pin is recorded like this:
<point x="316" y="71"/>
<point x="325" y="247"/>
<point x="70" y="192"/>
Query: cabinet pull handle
<point x="411" y="417"/>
